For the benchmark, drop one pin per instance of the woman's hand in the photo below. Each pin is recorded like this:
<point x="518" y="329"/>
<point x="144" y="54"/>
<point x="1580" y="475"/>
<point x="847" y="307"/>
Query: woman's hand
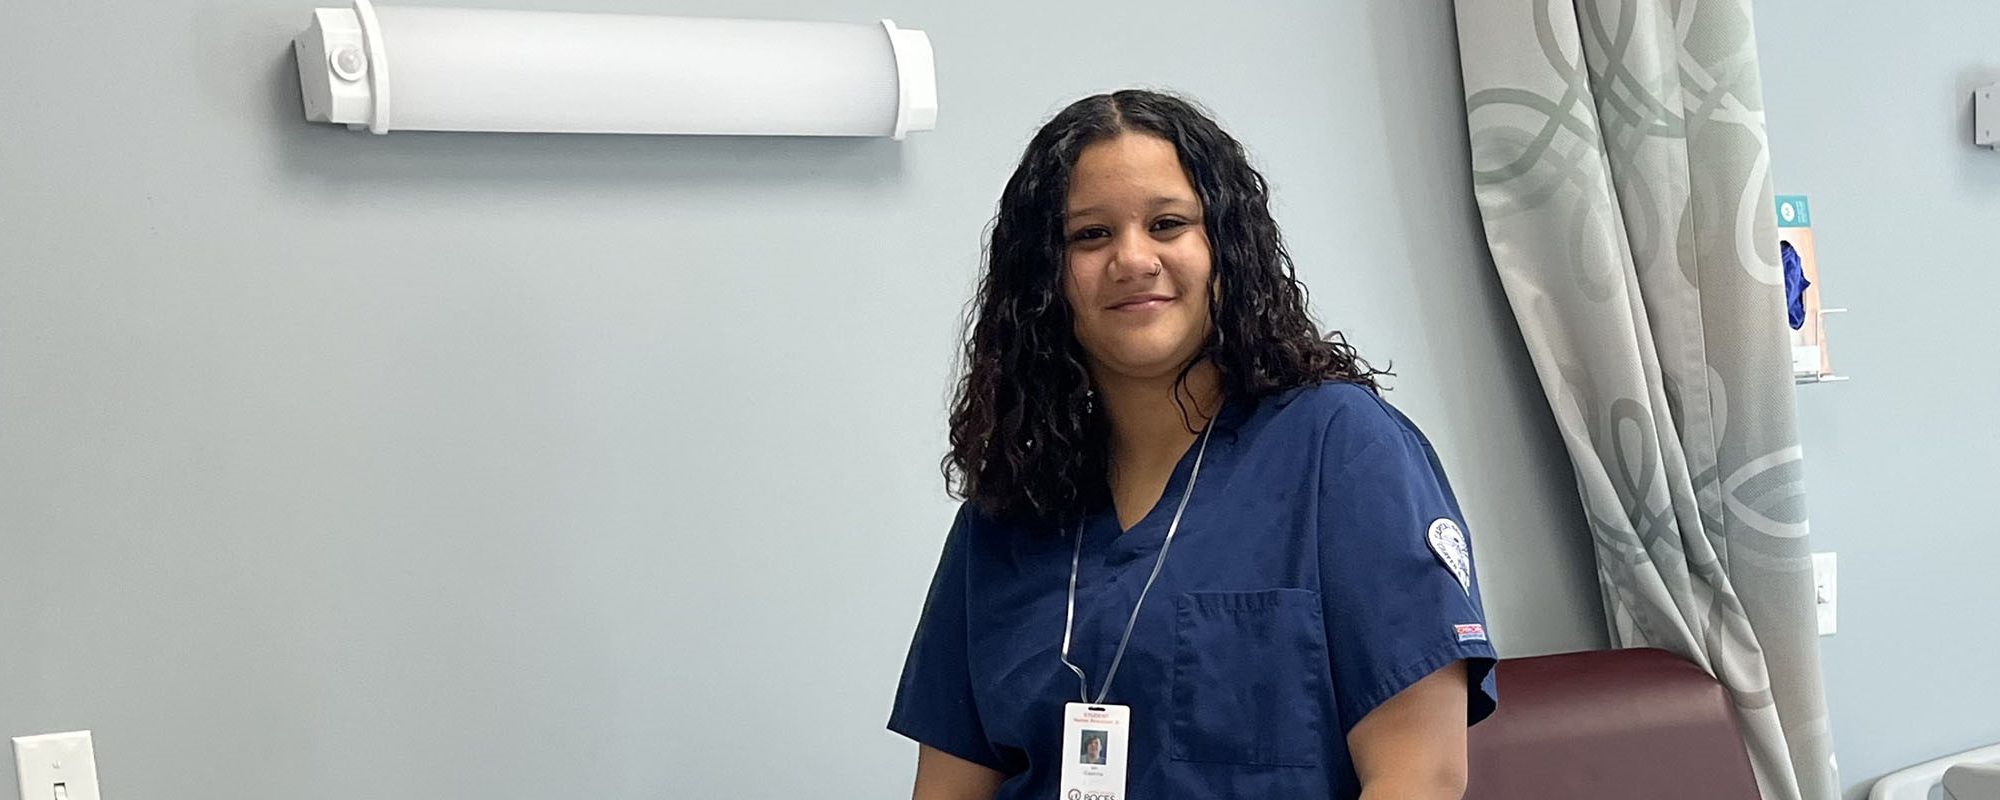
<point x="1412" y="747"/>
<point x="943" y="776"/>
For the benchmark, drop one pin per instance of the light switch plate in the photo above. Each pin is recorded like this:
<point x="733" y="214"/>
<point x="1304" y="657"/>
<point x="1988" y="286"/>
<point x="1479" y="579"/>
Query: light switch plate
<point x="1986" y="116"/>
<point x="1826" y="590"/>
<point x="44" y="761"/>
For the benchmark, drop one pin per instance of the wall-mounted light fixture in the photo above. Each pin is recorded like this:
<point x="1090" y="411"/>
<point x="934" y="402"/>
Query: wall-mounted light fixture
<point x="390" y="68"/>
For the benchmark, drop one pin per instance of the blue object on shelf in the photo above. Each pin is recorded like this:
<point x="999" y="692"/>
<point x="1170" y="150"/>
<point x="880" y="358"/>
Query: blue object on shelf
<point x="1795" y="285"/>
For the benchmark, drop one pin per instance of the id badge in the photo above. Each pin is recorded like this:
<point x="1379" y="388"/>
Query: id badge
<point x="1094" y="746"/>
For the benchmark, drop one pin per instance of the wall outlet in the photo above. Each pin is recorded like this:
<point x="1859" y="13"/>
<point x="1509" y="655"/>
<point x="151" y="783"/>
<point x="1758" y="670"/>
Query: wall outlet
<point x="56" y="766"/>
<point x="1826" y="590"/>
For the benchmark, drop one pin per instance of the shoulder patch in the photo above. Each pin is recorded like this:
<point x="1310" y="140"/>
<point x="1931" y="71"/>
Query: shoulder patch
<point x="1448" y="544"/>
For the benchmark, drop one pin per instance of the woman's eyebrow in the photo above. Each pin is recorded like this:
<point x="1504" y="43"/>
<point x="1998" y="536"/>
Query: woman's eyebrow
<point x="1156" y="202"/>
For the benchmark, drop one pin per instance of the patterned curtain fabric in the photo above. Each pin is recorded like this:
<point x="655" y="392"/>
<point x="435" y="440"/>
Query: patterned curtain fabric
<point x="1621" y="167"/>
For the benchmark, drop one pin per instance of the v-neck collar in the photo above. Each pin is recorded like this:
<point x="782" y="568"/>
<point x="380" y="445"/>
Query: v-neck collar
<point x="1146" y="535"/>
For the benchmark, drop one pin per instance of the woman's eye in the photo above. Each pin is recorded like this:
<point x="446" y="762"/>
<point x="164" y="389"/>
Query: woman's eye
<point x="1088" y="233"/>
<point x="1168" y="224"/>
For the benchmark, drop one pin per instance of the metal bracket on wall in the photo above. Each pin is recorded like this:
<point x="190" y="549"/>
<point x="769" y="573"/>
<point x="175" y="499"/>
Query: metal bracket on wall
<point x="1986" y="116"/>
<point x="1802" y="379"/>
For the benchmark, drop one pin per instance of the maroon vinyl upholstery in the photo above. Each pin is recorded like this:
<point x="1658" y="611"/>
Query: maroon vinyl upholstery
<point x="1625" y="724"/>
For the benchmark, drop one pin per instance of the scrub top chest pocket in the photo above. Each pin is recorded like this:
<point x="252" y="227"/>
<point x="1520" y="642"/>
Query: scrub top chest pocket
<point x="1251" y="678"/>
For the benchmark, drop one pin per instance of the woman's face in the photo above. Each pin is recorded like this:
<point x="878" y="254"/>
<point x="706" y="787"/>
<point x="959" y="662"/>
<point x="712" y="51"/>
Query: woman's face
<point x="1094" y="747"/>
<point x="1137" y="272"/>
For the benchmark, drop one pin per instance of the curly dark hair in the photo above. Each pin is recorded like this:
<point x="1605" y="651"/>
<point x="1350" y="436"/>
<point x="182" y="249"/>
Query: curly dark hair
<point x="1026" y="446"/>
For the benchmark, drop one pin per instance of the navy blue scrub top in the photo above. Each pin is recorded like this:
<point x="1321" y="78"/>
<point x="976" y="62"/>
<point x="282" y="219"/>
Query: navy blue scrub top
<point x="1302" y="591"/>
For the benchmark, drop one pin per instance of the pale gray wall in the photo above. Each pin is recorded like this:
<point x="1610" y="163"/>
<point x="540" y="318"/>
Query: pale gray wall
<point x="1870" y="114"/>
<point x="338" y="466"/>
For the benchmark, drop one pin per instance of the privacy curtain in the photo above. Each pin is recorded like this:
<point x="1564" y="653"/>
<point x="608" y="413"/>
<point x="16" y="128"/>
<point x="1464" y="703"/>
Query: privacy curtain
<point x="1622" y="170"/>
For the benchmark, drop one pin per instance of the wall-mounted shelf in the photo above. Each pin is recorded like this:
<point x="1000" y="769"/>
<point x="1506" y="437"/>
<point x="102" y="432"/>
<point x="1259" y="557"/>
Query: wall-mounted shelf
<point x="1825" y="373"/>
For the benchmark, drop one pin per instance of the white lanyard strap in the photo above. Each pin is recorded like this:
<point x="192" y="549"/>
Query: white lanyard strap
<point x="1076" y="560"/>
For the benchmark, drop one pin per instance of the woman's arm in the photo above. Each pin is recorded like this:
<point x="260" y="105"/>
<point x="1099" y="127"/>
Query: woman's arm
<point x="1412" y="747"/>
<point x="943" y="776"/>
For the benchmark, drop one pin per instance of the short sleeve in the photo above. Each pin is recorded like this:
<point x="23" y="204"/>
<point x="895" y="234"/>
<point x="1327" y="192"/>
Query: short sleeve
<point x="934" y="701"/>
<point x="1401" y="595"/>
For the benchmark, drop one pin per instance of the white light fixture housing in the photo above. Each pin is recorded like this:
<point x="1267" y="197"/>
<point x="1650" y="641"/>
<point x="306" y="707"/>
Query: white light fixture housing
<point x="387" y="68"/>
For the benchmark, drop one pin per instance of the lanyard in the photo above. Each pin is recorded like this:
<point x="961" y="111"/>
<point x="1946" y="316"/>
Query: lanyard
<point x="1076" y="560"/>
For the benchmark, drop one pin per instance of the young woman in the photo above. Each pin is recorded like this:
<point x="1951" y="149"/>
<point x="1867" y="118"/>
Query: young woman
<point x="1191" y="525"/>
